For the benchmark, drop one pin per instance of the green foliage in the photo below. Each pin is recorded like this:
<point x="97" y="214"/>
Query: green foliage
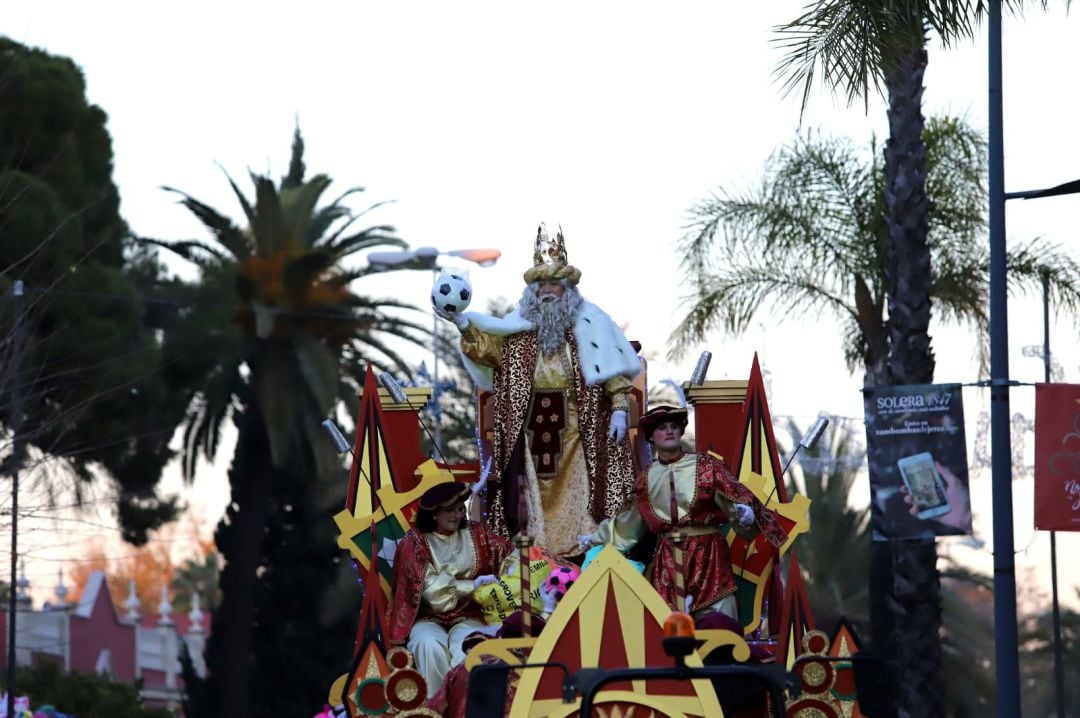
<point x="276" y="341"/>
<point x="85" y="695"/>
<point x="850" y="45"/>
<point x="810" y="238"/>
<point x="274" y="299"/>
<point x="88" y="361"/>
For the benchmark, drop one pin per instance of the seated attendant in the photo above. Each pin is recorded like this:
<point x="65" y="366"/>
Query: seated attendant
<point x="438" y="565"/>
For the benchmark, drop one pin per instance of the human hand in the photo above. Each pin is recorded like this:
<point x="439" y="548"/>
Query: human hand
<point x="548" y="597"/>
<point x="456" y="319"/>
<point x="617" y="427"/>
<point x="744" y="515"/>
<point x="484" y="580"/>
<point x="959" y="515"/>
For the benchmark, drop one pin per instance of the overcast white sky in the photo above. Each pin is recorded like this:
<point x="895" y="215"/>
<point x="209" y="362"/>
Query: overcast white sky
<point x="480" y="119"/>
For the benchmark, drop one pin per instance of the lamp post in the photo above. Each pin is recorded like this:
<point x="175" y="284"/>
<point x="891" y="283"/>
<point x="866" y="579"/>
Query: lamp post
<point x="427" y="258"/>
<point x="1006" y="641"/>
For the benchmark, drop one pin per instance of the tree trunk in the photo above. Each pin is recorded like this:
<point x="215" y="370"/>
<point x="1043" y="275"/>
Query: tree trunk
<point x="239" y="538"/>
<point x="905" y="584"/>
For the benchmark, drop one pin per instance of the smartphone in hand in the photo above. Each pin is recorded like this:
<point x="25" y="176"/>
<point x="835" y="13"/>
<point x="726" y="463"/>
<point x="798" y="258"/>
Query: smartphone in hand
<point x="925" y="485"/>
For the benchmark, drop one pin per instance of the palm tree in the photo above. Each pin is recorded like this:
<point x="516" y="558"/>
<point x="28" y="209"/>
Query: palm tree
<point x="279" y="339"/>
<point x="820" y="213"/>
<point x="853" y="46"/>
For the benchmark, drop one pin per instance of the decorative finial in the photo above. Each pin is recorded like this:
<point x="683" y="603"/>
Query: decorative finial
<point x="165" y="608"/>
<point x="132" y="603"/>
<point x="61" y="591"/>
<point x="196" y="615"/>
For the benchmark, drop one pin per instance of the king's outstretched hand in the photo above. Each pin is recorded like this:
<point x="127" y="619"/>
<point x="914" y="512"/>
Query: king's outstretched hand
<point x="456" y="319"/>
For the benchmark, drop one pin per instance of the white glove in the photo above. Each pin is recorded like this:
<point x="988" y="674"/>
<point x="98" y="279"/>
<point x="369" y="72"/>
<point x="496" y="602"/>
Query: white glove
<point x="547" y="598"/>
<point x="617" y="427"/>
<point x="585" y="542"/>
<point x="483" y="580"/>
<point x="457" y="320"/>
<point x="744" y="515"/>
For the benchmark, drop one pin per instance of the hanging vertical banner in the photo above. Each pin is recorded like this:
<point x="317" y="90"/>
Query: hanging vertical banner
<point x="917" y="456"/>
<point x="1057" y="457"/>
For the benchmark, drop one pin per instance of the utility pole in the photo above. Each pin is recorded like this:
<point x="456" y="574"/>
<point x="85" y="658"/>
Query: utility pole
<point x="16" y="460"/>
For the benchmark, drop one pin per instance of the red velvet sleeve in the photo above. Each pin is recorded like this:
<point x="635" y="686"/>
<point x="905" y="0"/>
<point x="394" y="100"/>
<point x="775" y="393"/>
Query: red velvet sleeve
<point x="724" y="482"/>
<point x="410" y="566"/>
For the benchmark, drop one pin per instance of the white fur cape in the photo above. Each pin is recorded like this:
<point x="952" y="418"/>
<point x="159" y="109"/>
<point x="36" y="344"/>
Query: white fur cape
<point x="602" y="348"/>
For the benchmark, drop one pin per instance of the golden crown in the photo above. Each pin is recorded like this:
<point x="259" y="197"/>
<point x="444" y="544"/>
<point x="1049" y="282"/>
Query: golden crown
<point x="549" y="259"/>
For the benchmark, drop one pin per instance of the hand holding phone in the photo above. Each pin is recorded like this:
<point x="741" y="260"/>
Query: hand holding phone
<point x="924" y="485"/>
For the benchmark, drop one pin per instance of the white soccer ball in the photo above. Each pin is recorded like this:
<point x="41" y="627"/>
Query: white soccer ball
<point x="452" y="291"/>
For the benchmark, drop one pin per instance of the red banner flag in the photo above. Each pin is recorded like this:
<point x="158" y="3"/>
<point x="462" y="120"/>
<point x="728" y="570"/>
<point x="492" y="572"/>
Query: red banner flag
<point x="1057" y="457"/>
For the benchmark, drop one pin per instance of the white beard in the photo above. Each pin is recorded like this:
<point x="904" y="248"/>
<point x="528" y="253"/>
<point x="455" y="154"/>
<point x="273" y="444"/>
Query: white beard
<point x="552" y="316"/>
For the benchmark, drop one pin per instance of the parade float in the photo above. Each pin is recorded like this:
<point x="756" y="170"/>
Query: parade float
<point x="611" y="619"/>
<point x="610" y="645"/>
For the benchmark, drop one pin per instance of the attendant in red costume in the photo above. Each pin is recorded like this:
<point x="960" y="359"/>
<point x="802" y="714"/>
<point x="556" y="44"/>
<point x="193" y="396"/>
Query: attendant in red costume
<point x="438" y="565"/>
<point x="707" y="498"/>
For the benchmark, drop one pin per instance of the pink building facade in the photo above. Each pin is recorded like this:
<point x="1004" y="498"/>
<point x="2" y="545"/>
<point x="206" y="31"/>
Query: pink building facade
<point x="91" y="636"/>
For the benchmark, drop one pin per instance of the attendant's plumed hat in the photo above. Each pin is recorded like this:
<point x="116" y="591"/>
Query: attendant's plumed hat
<point x="657" y="415"/>
<point x="442" y="495"/>
<point x="549" y="260"/>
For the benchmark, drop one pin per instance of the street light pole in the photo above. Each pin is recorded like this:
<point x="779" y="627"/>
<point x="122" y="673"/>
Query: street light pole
<point x="1006" y="660"/>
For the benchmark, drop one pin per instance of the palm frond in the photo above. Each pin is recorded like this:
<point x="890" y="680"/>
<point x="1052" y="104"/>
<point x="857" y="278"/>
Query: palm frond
<point x="300" y="272"/>
<point x="270" y="230"/>
<point x="190" y="249"/>
<point x="816" y="198"/>
<point x="345" y="277"/>
<point x="848" y="46"/>
<point x="228" y="234"/>
<point x="381" y="235"/>
<point x="729" y="300"/>
<point x="835" y="43"/>
<point x="298" y="207"/>
<point x="321" y="222"/>
<point x="956" y="172"/>
<point x="1031" y="261"/>
<point x="245" y="204"/>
